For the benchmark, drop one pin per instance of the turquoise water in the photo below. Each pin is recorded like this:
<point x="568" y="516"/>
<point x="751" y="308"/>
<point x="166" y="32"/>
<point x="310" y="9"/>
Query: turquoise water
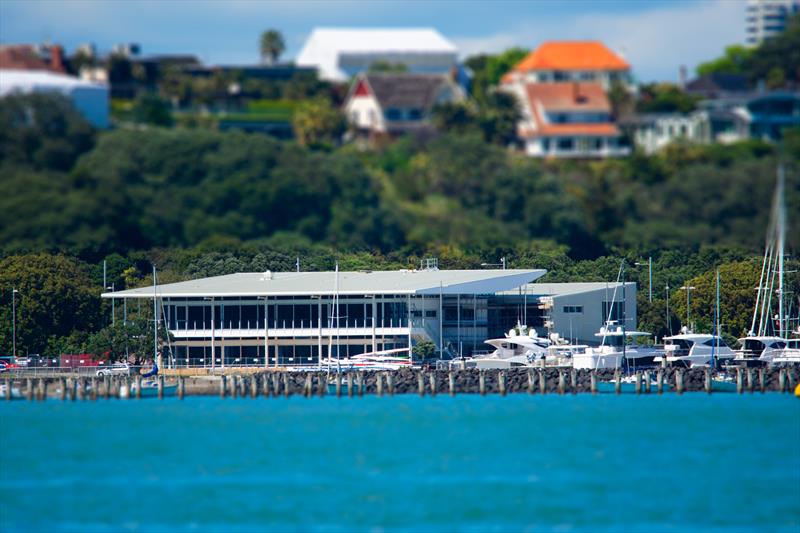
<point x="572" y="463"/>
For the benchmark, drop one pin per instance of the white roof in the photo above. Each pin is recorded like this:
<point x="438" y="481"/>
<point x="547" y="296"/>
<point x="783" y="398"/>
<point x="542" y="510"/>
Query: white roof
<point x="349" y="283"/>
<point x="26" y="81"/>
<point x="325" y="45"/>
<point x="563" y="289"/>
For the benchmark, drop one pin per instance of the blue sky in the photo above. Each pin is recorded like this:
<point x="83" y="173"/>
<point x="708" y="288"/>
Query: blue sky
<point x="656" y="36"/>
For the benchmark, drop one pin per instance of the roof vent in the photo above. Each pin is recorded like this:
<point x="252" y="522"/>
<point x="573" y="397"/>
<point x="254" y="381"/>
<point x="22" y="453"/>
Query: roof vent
<point x="267" y="276"/>
<point x="429" y="263"/>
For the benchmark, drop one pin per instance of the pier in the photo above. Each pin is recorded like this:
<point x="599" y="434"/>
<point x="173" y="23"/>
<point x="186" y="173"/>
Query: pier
<point x="285" y="383"/>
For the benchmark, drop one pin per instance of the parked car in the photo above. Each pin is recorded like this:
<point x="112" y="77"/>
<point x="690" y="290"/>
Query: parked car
<point x="116" y="369"/>
<point x="6" y="365"/>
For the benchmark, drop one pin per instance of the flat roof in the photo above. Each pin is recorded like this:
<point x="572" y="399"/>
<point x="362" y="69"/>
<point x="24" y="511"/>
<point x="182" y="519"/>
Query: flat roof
<point x="349" y="283"/>
<point x="563" y="289"/>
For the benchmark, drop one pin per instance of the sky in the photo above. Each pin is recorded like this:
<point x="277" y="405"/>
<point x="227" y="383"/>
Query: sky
<point x="655" y="36"/>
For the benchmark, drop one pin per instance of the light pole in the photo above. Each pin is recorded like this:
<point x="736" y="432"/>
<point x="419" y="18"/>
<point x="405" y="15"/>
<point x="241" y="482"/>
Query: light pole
<point x="688" y="289"/>
<point x="14" y="322"/>
<point x="113" y="315"/>
<point x="266" y="332"/>
<point x="213" y="355"/>
<point x="650" y="278"/>
<point x="669" y="322"/>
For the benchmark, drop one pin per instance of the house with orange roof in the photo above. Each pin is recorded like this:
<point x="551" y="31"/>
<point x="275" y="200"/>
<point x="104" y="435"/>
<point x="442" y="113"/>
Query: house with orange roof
<point x="565" y="61"/>
<point x="567" y="120"/>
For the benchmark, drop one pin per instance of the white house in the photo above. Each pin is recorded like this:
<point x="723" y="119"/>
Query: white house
<point x="397" y="103"/>
<point x="566" y="120"/>
<point x="340" y="53"/>
<point x="90" y="99"/>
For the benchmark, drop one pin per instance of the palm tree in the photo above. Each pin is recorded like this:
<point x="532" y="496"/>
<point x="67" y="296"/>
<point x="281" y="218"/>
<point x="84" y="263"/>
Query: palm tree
<point x="272" y="46"/>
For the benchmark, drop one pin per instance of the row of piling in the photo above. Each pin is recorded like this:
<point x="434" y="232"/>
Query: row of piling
<point x="532" y="381"/>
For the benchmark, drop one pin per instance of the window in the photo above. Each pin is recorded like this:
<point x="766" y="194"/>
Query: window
<point x="566" y="144"/>
<point x="354" y="117"/>
<point x="430" y="314"/>
<point x="393" y="114"/>
<point x="414" y="114"/>
<point x="616" y="313"/>
<point x="573" y="309"/>
<point x="467" y="313"/>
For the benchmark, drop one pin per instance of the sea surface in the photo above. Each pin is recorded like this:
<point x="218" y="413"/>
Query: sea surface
<point x="518" y="463"/>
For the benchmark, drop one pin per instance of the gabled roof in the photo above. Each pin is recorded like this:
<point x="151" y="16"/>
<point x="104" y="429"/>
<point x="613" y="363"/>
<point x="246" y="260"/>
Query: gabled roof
<point x="353" y="283"/>
<point x="711" y="84"/>
<point x="403" y="90"/>
<point x="23" y="57"/>
<point x="572" y="55"/>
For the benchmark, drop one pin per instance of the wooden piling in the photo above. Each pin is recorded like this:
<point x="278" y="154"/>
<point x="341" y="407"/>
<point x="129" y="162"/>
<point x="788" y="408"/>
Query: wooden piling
<point x="63" y="389"/>
<point x="390" y="382"/>
<point x="482" y="383"/>
<point x="542" y="382"/>
<point x="286" y="391"/>
<point x="349" y="384"/>
<point x="782" y="380"/>
<point x="421" y="384"/>
<point x="432" y="377"/>
<point x="106" y="388"/>
<point x="379" y="384"/>
<point x="562" y="383"/>
<point x="360" y="385"/>
<point x="160" y="387"/>
<point x="94" y="391"/>
<point x="127" y="393"/>
<point x="751" y="382"/>
<point x="43" y="389"/>
<point x="739" y="381"/>
<point x="593" y="381"/>
<point x="660" y="380"/>
<point x="573" y="381"/>
<point x="7" y="394"/>
<point x="276" y="385"/>
<point x="81" y="388"/>
<point x="139" y="387"/>
<point x="647" y="380"/>
<point x="451" y="383"/>
<point x="338" y="385"/>
<point x="235" y="386"/>
<point x="762" y="381"/>
<point x="637" y="382"/>
<point x="617" y="381"/>
<point x="708" y="381"/>
<point x="792" y="381"/>
<point x="255" y="388"/>
<point x="679" y="381"/>
<point x="223" y="385"/>
<point x="73" y="389"/>
<point x="29" y="389"/>
<point x="181" y="387"/>
<point x="501" y="382"/>
<point x="307" y="387"/>
<point x="265" y="385"/>
<point x="531" y="382"/>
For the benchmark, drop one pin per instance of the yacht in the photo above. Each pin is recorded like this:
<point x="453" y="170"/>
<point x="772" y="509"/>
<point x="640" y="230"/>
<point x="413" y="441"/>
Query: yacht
<point x="694" y="349"/>
<point x="790" y="354"/>
<point x="614" y="352"/>
<point x="521" y="346"/>
<point x="758" y="350"/>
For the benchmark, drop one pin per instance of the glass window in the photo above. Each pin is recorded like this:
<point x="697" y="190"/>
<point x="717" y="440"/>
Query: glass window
<point x="393" y="114"/>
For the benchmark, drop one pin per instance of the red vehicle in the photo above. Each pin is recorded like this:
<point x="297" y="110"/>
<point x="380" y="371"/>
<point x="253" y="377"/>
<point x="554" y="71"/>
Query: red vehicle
<point x="80" y="360"/>
<point x="6" y="365"/>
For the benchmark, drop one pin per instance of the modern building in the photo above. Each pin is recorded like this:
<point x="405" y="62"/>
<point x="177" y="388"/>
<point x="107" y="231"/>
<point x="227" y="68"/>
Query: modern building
<point x="90" y="99"/>
<point x="300" y="317"/>
<point x="395" y="104"/>
<point x="340" y="53"/>
<point x="566" y="120"/>
<point x="768" y="18"/>
<point x="652" y="132"/>
<point x="571" y="61"/>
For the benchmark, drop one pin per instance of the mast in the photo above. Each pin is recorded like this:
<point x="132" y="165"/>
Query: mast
<point x="716" y="337"/>
<point x="155" y="320"/>
<point x="781" y="229"/>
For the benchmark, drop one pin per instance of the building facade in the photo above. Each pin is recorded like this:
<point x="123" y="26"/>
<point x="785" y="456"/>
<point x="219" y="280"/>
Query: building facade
<point x="768" y="18"/>
<point x="339" y="54"/>
<point x="303" y="318"/>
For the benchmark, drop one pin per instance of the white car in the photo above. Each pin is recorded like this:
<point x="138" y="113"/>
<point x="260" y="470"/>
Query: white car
<point x="116" y="369"/>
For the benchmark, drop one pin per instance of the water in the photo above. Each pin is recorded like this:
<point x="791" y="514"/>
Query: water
<point x="573" y="463"/>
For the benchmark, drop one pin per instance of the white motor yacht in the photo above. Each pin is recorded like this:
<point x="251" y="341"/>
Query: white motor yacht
<point x="790" y="354"/>
<point x="758" y="350"/>
<point x="694" y="349"/>
<point x="521" y="346"/>
<point x="613" y="351"/>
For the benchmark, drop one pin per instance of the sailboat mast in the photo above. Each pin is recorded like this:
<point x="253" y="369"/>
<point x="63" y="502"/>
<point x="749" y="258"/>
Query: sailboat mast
<point x="155" y="320"/>
<point x="781" y="229"/>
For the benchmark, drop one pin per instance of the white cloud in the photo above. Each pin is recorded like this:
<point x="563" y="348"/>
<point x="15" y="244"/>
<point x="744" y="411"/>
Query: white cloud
<point x="656" y="42"/>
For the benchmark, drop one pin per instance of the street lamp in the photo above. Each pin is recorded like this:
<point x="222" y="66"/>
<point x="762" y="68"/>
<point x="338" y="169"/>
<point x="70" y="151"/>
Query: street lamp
<point x="650" y="277"/>
<point x="669" y="322"/>
<point x="688" y="289"/>
<point x="113" y="316"/>
<point x="14" y="293"/>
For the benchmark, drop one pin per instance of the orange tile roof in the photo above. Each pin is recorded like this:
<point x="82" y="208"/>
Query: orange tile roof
<point x="572" y="55"/>
<point x="568" y="97"/>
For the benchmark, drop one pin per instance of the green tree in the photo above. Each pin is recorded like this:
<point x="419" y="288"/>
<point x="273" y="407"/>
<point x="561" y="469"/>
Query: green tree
<point x="735" y="60"/>
<point x="487" y="70"/>
<point x="56" y="299"/>
<point x="150" y="109"/>
<point x="424" y="349"/>
<point x="317" y="123"/>
<point x="665" y="98"/>
<point x="271" y="46"/>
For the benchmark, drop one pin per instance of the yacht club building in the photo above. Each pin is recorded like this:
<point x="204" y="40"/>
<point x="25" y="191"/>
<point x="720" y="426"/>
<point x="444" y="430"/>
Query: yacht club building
<point x="302" y="317"/>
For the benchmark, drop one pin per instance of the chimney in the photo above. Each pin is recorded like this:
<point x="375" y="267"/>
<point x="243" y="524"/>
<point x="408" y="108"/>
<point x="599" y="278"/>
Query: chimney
<point x="57" y="58"/>
<point x="682" y="76"/>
